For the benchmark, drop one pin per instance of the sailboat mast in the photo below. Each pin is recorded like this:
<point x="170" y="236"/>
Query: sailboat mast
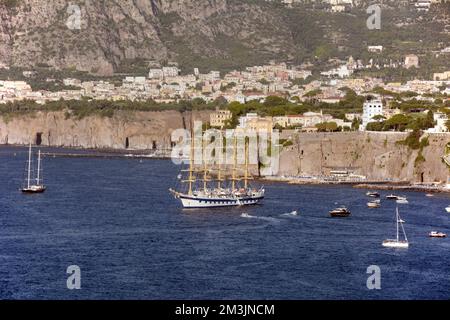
<point x="191" y="163"/>
<point x="219" y="175"/>
<point x="397" y="223"/>
<point x="38" y="168"/>
<point x="233" y="182"/>
<point x="205" y="167"/>
<point x="29" y="167"/>
<point x="246" y="165"/>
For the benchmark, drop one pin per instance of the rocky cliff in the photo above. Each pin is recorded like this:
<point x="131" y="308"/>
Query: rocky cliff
<point x="125" y="130"/>
<point x="378" y="156"/>
<point x="375" y="155"/>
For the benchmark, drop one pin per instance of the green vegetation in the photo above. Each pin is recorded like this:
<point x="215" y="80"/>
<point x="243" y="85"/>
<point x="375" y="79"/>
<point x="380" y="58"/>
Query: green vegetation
<point x="9" y="3"/>
<point x="413" y="141"/>
<point x="328" y="127"/>
<point x="402" y="122"/>
<point x="104" y="108"/>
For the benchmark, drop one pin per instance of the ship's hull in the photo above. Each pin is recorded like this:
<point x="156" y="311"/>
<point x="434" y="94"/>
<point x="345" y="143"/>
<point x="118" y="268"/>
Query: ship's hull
<point x="34" y="189"/>
<point x="196" y="202"/>
<point x="395" y="244"/>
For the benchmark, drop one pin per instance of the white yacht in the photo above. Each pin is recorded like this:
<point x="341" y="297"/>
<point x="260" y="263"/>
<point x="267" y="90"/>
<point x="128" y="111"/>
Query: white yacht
<point x="402" y="200"/>
<point x="33" y="185"/>
<point x="374" y="204"/>
<point x="397" y="243"/>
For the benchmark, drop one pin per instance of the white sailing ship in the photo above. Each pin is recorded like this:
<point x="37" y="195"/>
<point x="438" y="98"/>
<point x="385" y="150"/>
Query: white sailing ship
<point x="397" y="243"/>
<point x="220" y="195"/>
<point x="34" y="185"/>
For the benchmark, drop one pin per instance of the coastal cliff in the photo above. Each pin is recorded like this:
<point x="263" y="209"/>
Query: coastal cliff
<point x="124" y="130"/>
<point x="376" y="155"/>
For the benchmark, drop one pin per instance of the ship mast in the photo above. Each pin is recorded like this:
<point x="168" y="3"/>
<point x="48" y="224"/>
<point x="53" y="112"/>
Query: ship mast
<point x="234" y="177"/>
<point x="29" y="167"/>
<point x="219" y="175"/>
<point x="246" y="165"/>
<point x="205" y="167"/>
<point x="38" y="168"/>
<point x="191" y="163"/>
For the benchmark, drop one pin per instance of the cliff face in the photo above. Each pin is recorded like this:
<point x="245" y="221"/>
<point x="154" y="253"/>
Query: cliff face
<point x="375" y="155"/>
<point x="139" y="130"/>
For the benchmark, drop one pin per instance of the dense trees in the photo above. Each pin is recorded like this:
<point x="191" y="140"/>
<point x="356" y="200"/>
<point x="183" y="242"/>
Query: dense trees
<point x="402" y="122"/>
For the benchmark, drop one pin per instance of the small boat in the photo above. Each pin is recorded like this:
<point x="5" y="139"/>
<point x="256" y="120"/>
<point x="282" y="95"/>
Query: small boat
<point x="30" y="186"/>
<point x="373" y="194"/>
<point x="397" y="243"/>
<point x="435" y="234"/>
<point x="392" y="197"/>
<point x="374" y="204"/>
<point x="402" y="200"/>
<point x="340" y="212"/>
<point x="429" y="195"/>
<point x="447" y="209"/>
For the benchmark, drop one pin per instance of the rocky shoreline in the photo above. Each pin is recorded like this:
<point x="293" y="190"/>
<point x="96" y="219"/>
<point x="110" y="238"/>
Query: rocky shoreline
<point x="370" y="185"/>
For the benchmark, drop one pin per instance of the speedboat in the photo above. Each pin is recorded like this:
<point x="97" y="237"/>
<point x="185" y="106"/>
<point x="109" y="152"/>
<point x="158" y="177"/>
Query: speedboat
<point x="340" y="212"/>
<point x="374" y="204"/>
<point x="447" y="209"/>
<point x="436" y="234"/>
<point x="373" y="194"/>
<point x="392" y="197"/>
<point x="402" y="200"/>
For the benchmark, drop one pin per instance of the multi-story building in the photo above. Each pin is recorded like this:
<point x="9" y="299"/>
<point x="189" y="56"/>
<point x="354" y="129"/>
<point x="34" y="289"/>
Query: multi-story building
<point x="219" y="118"/>
<point x="253" y="123"/>
<point x="371" y="108"/>
<point x="441" y="120"/>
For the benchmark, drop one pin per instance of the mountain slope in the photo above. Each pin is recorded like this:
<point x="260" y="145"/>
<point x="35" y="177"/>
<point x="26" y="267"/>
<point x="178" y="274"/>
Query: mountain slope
<point x="124" y="35"/>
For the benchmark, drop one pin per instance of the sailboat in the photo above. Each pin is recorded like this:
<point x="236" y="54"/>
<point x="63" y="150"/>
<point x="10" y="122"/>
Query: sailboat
<point x="220" y="195"/>
<point x="34" y="185"/>
<point x="397" y="243"/>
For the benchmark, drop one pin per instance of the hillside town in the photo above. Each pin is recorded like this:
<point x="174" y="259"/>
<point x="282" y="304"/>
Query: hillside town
<point x="294" y="83"/>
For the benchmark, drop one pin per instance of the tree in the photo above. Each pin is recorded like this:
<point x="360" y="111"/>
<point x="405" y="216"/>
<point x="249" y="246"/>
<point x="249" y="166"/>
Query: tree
<point x="375" y="126"/>
<point x="379" y="117"/>
<point x="327" y="127"/>
<point x="272" y="101"/>
<point x="397" y="122"/>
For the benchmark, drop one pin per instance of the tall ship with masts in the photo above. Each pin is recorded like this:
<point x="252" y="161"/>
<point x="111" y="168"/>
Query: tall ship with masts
<point x="33" y="184"/>
<point x="226" y="191"/>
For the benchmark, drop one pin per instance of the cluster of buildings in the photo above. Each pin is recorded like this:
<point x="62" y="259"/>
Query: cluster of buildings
<point x="253" y="122"/>
<point x="167" y="84"/>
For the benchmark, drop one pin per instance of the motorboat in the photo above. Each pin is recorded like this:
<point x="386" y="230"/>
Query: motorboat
<point x="340" y="212"/>
<point x="436" y="234"/>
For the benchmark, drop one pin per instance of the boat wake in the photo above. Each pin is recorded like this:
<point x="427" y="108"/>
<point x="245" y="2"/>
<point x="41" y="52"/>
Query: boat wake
<point x="290" y="214"/>
<point x="248" y="216"/>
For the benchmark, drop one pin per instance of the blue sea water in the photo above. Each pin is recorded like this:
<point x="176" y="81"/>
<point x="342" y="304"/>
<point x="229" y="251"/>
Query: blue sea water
<point x="116" y="220"/>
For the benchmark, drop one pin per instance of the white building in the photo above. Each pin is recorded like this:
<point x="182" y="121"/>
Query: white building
<point x="371" y="109"/>
<point x="440" y="119"/>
